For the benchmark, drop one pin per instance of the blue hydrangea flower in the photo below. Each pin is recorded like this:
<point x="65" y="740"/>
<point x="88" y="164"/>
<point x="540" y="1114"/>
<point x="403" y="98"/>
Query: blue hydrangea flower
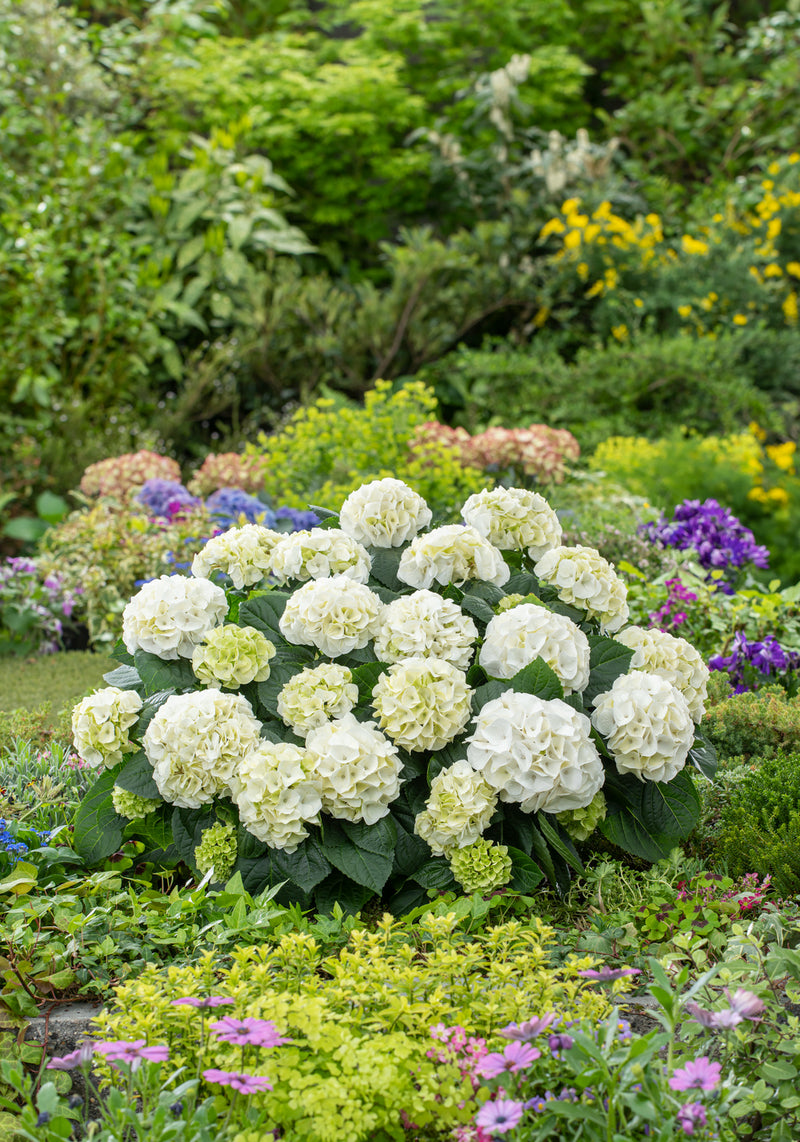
<point x="165" y="498"/>
<point x="229" y="504"/>
<point x="298" y="519"/>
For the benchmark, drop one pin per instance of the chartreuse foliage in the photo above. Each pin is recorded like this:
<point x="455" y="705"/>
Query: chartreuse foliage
<point x="360" y="1020"/>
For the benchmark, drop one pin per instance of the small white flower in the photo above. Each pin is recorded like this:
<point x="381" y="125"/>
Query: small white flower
<point x="422" y="703"/>
<point x="275" y="793"/>
<point x="584" y="579"/>
<point x="319" y="554"/>
<point x="171" y="615"/>
<point x="100" y="725"/>
<point x="514" y="519"/>
<point x="516" y="637"/>
<point x="335" y="615"/>
<point x="451" y="554"/>
<point x="424" y="625"/>
<point x="195" y="743"/>
<point x="384" y="513"/>
<point x="672" y="658"/>
<point x="646" y="724"/>
<point x="317" y="695"/>
<point x="242" y="553"/>
<point x="536" y="753"/>
<point x="356" y="769"/>
<point x="460" y="806"/>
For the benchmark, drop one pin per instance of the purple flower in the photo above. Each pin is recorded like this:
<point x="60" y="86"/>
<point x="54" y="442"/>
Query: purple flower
<point x="165" y="498"/>
<point x="700" y="1073"/>
<point x="607" y="974"/>
<point x="744" y="1003"/>
<point x="749" y="660"/>
<point x="559" y="1043"/>
<point x="529" y="1029"/>
<point x="229" y="504"/>
<point x="80" y="1057"/>
<point x="300" y="520"/>
<point x="717" y="537"/>
<point x="208" y="1001"/>
<point x="515" y="1057"/>
<point x="692" y="1115"/>
<point x="120" y="1051"/>
<point x="500" y="1116"/>
<point x="707" y="1019"/>
<point x="244" y="1084"/>
<point x="248" y="1032"/>
<point x="536" y="1104"/>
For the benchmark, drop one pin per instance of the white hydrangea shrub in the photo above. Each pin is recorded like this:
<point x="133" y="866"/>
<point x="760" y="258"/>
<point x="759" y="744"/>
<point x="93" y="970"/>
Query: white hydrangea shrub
<point x="458" y="811"/>
<point x="100" y="725"/>
<point x="335" y="615"/>
<point x="451" y="554"/>
<point x="169" y="616"/>
<point x="658" y="652"/>
<point x="515" y="637"/>
<point x="319" y="554"/>
<point x="356" y="769"/>
<point x="646" y="724"/>
<point x="276" y="795"/>
<point x="318" y="694"/>
<point x="241" y="553"/>
<point x="384" y="513"/>
<point x="233" y="656"/>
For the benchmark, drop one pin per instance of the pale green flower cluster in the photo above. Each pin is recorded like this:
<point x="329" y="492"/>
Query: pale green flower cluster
<point x="458" y="810"/>
<point x="317" y="695"/>
<point x="424" y="625"/>
<point x="581" y="823"/>
<point x="675" y="659"/>
<point x="275" y="791"/>
<point x="451" y="554"/>
<point x="584" y="579"/>
<point x="646" y="724"/>
<point x="131" y="805"/>
<point x="422" y="703"/>
<point x="319" y="554"/>
<point x="170" y="615"/>
<point x="482" y="866"/>
<point x="100" y="725"/>
<point x="241" y="553"/>
<point x="514" y="519"/>
<point x="384" y="513"/>
<point x="357" y="769"/>
<point x="232" y="656"/>
<point x="217" y="850"/>
<point x="195" y="743"/>
<point x="516" y="637"/>
<point x="335" y="615"/>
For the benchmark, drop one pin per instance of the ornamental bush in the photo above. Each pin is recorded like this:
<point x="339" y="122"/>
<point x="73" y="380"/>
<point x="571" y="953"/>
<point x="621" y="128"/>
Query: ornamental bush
<point x="346" y="776"/>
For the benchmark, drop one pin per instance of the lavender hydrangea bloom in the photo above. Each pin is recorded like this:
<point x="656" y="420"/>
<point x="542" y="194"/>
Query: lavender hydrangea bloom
<point x="165" y="498"/>
<point x="229" y="504"/>
<point x="719" y="540"/>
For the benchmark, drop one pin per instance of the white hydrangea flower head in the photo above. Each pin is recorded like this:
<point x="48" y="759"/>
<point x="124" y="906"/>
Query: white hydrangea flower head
<point x="675" y="659"/>
<point x="195" y="743"/>
<point x="100" y="725"/>
<point x="319" y="554"/>
<point x="169" y="616"/>
<point x="276" y="794"/>
<point x="451" y="554"/>
<point x="584" y="579"/>
<point x="514" y="519"/>
<point x="317" y="695"/>
<point x="460" y="806"/>
<point x="356" y="769"/>
<point x="232" y="656"/>
<point x="335" y="615"/>
<point x="516" y="637"/>
<point x="424" y="625"/>
<point x="646" y="724"/>
<point x="242" y="553"/>
<point x="384" y="513"/>
<point x="536" y="753"/>
<point x="422" y="703"/>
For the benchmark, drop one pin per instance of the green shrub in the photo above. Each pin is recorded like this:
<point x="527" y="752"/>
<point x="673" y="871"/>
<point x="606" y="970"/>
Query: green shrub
<point x="360" y="1021"/>
<point x="754" y="725"/>
<point x="647" y="387"/>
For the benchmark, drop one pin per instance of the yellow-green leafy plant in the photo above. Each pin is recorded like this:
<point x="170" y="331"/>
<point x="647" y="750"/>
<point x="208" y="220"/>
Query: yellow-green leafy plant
<point x="360" y="1020"/>
<point x="328" y="450"/>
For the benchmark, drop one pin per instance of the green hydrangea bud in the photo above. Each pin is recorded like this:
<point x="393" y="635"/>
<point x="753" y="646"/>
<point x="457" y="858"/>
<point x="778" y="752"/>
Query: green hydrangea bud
<point x="509" y="601"/>
<point x="217" y="850"/>
<point x="232" y="656"/>
<point x="481" y="866"/>
<point x="131" y="805"/>
<point x="581" y="823"/>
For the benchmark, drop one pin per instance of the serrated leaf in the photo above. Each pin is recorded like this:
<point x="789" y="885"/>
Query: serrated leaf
<point x="365" y="678"/>
<point x="435" y="873"/>
<point x="385" y="561"/>
<point x="525" y="873"/>
<point x="487" y="693"/>
<point x="478" y="608"/>
<point x="97" y="828"/>
<point x="522" y="583"/>
<point x="607" y="661"/>
<point x="264" y="613"/>
<point x="267" y="692"/>
<point x="239" y="229"/>
<point x="120" y="653"/>
<point x="136" y="776"/>
<point x="338" y="889"/>
<point x="703" y="756"/>
<point x="410" y="852"/>
<point x="124" y="677"/>
<point x="672" y="807"/>
<point x="306" y="867"/>
<point x="190" y="251"/>
<point x="157" y="674"/>
<point x="150" y="707"/>
<point x="379" y="838"/>
<point x="369" y="869"/>
<point x="444" y="758"/>
<point x="539" y="679"/>
<point x="625" y="824"/>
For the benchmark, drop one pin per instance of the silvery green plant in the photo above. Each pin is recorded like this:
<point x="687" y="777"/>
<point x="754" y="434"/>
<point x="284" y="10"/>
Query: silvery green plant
<point x="360" y="702"/>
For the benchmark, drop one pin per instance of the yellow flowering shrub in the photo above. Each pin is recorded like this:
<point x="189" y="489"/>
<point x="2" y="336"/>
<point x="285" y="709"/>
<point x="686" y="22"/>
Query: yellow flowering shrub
<point x="360" y="1020"/>
<point x="328" y="450"/>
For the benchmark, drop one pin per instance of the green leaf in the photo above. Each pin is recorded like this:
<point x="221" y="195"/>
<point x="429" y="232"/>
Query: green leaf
<point x="367" y="868"/>
<point x="50" y="507"/>
<point x="539" y="679"/>
<point x="239" y="229"/>
<point x="410" y="852"/>
<point x="703" y="755"/>
<point x="522" y="583"/>
<point x="365" y="678"/>
<point x="477" y="589"/>
<point x="608" y="659"/>
<point x="264" y="612"/>
<point x="306" y="867"/>
<point x="124" y="677"/>
<point x="625" y="823"/>
<point x="478" y="608"/>
<point x="379" y="839"/>
<point x="671" y="807"/>
<point x="268" y="691"/>
<point x="526" y="874"/>
<point x="492" y="689"/>
<point x="190" y="251"/>
<point x="136" y="776"/>
<point x="435" y="873"/>
<point x="559" y="842"/>
<point x="121" y="654"/>
<point x="98" y="829"/>
<point x="155" y="830"/>
<point x="444" y="758"/>
<point x="150" y="707"/>
<point x="187" y="829"/>
<point x="385" y="561"/>
<point x="157" y="674"/>
<point x="338" y="889"/>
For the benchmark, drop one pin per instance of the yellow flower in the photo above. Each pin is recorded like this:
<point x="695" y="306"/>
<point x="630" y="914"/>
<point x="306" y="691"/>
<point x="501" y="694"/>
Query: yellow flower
<point x="716" y="218"/>
<point x="755" y="272"/>
<point x="773" y="228"/>
<point x="789" y="308"/>
<point x="583" y="271"/>
<point x="782" y="455"/>
<point x="773" y="270"/>
<point x="554" y="226"/>
<point x="596" y="289"/>
<point x="739" y="319"/>
<point x="541" y="316"/>
<point x="603" y="211"/>
<point x="794" y="158"/>
<point x="577" y="220"/>
<point x="620" y="332"/>
<point x="774" y="168"/>
<point x="611" y="277"/>
<point x="637" y="301"/>
<point x="573" y="239"/>
<point x="793" y="268"/>
<point x="591" y="232"/>
<point x="768" y="184"/>
<point x="755" y="429"/>
<point x="570" y="205"/>
<point x="685" y="310"/>
<point x="691" y="245"/>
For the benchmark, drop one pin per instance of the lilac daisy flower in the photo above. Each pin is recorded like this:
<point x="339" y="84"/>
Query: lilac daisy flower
<point x="700" y="1074"/>
<point x="528" y="1030"/>
<point x="607" y="974"/>
<point x="692" y="1115"/>
<point x="208" y="1001"/>
<point x="559" y="1043"/>
<point x="244" y="1084"/>
<point x="77" y="1058"/>
<point x="500" y="1116"/>
<point x="121" y="1051"/>
<point x="515" y="1057"/>
<point x="248" y="1032"/>
<point x="744" y="1003"/>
